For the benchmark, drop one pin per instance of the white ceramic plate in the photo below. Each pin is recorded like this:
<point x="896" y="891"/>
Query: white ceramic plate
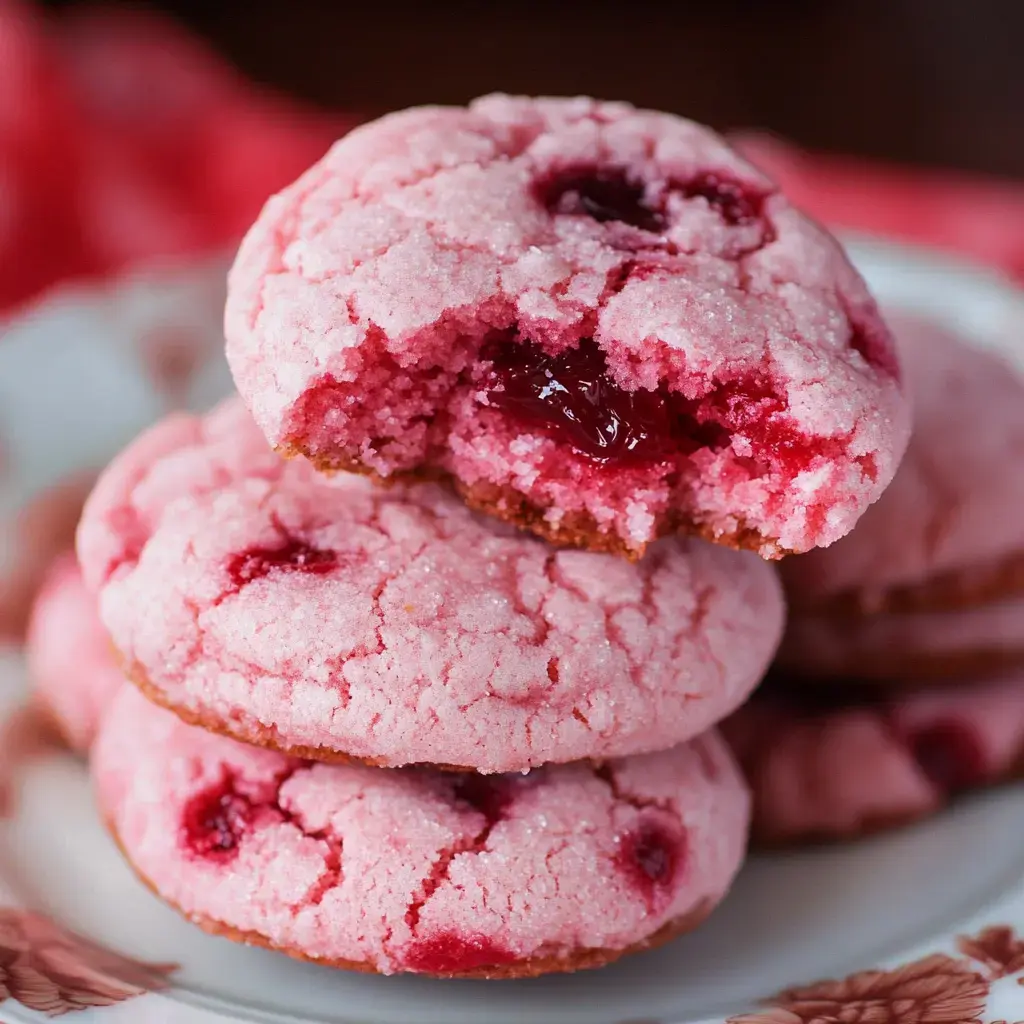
<point x="915" y="903"/>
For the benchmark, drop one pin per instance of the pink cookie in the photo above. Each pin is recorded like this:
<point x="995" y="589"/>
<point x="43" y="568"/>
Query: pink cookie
<point x="947" y="533"/>
<point x="69" y="657"/>
<point x="844" y="771"/>
<point x="599" y="322"/>
<point x="29" y="543"/>
<point x="905" y="647"/>
<point x="420" y="871"/>
<point x="328" y="618"/>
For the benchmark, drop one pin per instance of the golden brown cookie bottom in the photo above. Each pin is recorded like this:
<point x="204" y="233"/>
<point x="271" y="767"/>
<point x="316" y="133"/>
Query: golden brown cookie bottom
<point x="531" y="967"/>
<point x="574" y="530"/>
<point x="256" y="734"/>
<point x="957" y="590"/>
<point x="912" y="669"/>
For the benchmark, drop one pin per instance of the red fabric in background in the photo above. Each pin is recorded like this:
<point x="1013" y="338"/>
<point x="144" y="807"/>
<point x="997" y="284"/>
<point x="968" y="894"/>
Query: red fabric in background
<point x="974" y="216"/>
<point x="39" y="236"/>
<point x="123" y="138"/>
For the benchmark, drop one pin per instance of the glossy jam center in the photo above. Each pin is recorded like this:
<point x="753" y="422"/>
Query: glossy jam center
<point x="572" y="395"/>
<point x="571" y="398"/>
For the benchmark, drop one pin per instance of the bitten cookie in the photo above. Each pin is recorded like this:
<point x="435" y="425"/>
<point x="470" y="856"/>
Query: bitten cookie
<point x="70" y="660"/>
<point x="418" y="871"/>
<point x="821" y="772"/>
<point x="326" y="617"/>
<point x="931" y="582"/>
<point x="600" y="323"/>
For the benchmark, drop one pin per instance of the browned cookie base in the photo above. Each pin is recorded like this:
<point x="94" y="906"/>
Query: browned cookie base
<point x="532" y="967"/>
<point x="256" y="734"/>
<point x="574" y="530"/>
<point x="951" y="591"/>
<point x="912" y="669"/>
<point x="580" y="529"/>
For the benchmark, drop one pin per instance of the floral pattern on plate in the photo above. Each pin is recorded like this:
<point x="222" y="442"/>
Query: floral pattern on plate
<point x="50" y="970"/>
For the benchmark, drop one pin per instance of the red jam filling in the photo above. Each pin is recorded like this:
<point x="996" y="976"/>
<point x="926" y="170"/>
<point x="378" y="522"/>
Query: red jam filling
<point x="652" y="857"/>
<point x="571" y="397"/>
<point x="214" y="821"/>
<point x="450" y="953"/>
<point x="291" y="555"/>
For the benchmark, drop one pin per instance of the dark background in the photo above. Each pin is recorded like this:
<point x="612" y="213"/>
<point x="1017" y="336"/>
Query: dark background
<point x="924" y="81"/>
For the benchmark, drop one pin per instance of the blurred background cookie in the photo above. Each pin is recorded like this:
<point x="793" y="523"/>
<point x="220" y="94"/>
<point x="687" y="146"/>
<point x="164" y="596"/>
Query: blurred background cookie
<point x="853" y="763"/>
<point x="931" y="581"/>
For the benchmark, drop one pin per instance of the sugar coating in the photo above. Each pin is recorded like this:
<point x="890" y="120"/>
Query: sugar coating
<point x="853" y="646"/>
<point x="417" y="632"/>
<point x="837" y="773"/>
<point x="69" y="656"/>
<point x="950" y="507"/>
<point x="360" y="299"/>
<point x="345" y="862"/>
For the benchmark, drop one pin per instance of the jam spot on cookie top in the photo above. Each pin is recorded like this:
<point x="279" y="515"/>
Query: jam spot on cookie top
<point x="292" y="554"/>
<point x="572" y="398"/>
<point x="950" y="754"/>
<point x="450" y="953"/>
<point x="737" y="204"/>
<point x="615" y="194"/>
<point x="214" y="821"/>
<point x="652" y="856"/>
<point x="603" y="194"/>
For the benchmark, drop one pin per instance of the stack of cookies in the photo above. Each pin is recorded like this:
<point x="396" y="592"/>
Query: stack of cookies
<point x="438" y="692"/>
<point x="901" y="675"/>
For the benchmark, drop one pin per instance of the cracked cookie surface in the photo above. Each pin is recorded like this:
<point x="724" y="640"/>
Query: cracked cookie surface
<point x="598" y="322"/>
<point x="421" y="871"/>
<point x="327" y="617"/>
